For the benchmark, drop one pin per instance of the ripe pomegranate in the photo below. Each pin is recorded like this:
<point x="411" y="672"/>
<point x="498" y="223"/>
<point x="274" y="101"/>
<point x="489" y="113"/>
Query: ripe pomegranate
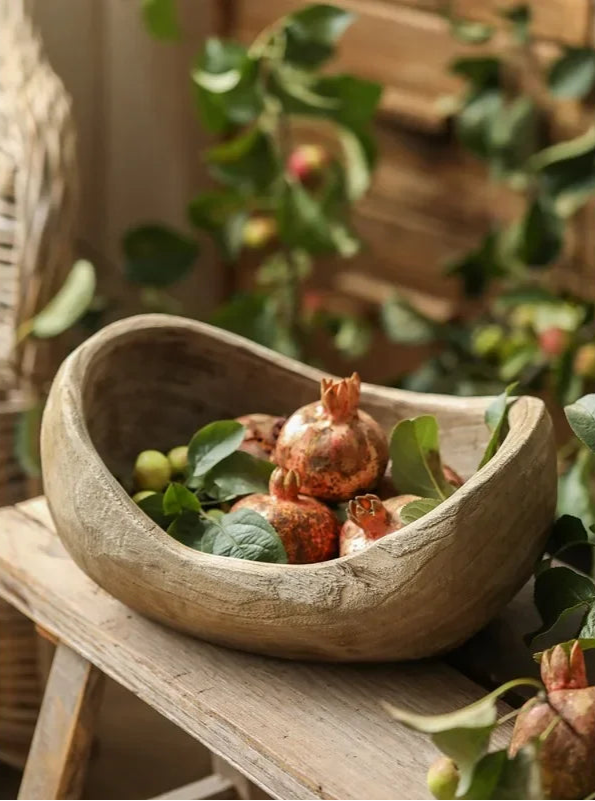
<point x="308" y="528"/>
<point x="262" y="432"/>
<point x="338" y="450"/>
<point x="553" y="341"/>
<point x="259" y="232"/>
<point x="369" y="519"/>
<point x="306" y="161"/>
<point x="566" y="716"/>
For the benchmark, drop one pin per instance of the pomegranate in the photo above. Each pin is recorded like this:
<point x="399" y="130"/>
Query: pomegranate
<point x="566" y="718"/>
<point x="308" y="528"/>
<point x="262" y="432"/>
<point x="306" y="161"/>
<point x="338" y="450"/>
<point x="553" y="341"/>
<point x="369" y="519"/>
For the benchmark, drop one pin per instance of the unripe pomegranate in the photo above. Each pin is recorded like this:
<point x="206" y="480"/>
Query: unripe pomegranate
<point x="566" y="718"/>
<point x="369" y="520"/>
<point x="553" y="341"/>
<point x="152" y="471"/>
<point x="308" y="528"/>
<point x="306" y="161"/>
<point x="178" y="459"/>
<point x="584" y="361"/>
<point x="338" y="450"/>
<point x="443" y="778"/>
<point x="262" y="433"/>
<point x="259" y="232"/>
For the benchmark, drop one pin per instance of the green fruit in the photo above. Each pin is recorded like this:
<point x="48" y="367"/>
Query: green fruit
<point x="178" y="459"/>
<point x="487" y="340"/>
<point x="584" y="361"/>
<point x="152" y="471"/>
<point x="443" y="778"/>
<point x="140" y="496"/>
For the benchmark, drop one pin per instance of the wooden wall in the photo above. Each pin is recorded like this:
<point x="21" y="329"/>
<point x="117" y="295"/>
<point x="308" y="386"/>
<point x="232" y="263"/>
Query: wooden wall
<point x="139" y="137"/>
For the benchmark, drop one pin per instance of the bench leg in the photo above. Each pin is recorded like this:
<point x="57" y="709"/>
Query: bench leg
<point x="58" y="756"/>
<point x="244" y="788"/>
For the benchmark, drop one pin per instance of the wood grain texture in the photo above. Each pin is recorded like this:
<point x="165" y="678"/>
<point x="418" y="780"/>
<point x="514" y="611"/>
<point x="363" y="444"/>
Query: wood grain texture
<point x="151" y="381"/>
<point x="297" y="730"/>
<point x="59" y="752"/>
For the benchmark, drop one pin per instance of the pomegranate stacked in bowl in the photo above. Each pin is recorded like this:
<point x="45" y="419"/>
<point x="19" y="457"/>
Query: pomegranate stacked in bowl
<point x="302" y="489"/>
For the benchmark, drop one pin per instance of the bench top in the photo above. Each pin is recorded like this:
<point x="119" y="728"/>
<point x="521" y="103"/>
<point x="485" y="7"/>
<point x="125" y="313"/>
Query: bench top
<point x="299" y="730"/>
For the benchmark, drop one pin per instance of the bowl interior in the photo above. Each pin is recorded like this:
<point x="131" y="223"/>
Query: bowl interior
<point x="150" y="388"/>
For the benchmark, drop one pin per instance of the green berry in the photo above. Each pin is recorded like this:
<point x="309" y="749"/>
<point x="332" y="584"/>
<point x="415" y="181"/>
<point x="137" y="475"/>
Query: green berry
<point x="443" y="778"/>
<point x="152" y="471"/>
<point x="140" y="496"/>
<point x="178" y="459"/>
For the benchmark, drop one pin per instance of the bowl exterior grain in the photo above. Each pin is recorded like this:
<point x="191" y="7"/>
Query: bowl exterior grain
<point x="151" y="381"/>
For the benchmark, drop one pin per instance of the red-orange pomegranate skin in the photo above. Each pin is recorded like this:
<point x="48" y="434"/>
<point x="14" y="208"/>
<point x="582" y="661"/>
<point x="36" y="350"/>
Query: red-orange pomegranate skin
<point x="567" y="755"/>
<point x="369" y="520"/>
<point x="338" y="450"/>
<point x="262" y="433"/>
<point x="308" y="528"/>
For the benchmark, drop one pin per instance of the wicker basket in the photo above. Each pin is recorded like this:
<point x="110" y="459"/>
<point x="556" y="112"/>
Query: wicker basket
<point x="37" y="201"/>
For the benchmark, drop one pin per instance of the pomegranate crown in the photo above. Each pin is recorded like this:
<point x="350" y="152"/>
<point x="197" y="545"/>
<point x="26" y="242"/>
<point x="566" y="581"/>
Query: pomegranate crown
<point x="370" y="514"/>
<point x="285" y="484"/>
<point x="340" y="397"/>
<point x="562" y="669"/>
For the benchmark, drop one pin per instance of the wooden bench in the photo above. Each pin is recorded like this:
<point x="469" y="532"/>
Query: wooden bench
<point x="296" y="730"/>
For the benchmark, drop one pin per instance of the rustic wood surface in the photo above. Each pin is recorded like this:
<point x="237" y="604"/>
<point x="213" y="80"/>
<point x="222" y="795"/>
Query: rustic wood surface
<point x="408" y="595"/>
<point x="60" y="749"/>
<point x="298" y="730"/>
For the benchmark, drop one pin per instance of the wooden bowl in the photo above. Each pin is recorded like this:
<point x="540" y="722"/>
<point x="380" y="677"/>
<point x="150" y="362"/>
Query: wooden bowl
<point x="151" y="381"/>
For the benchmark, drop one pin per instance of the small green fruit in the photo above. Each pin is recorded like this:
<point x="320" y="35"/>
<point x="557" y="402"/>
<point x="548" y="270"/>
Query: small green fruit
<point x="140" y="496"/>
<point x="443" y="778"/>
<point x="178" y="459"/>
<point x="258" y="232"/>
<point x="584" y="361"/>
<point x="152" y="471"/>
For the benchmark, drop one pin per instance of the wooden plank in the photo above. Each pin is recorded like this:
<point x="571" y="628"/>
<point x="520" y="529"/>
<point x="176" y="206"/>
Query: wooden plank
<point x="60" y="749"/>
<point x="297" y="730"/>
<point x="212" y="787"/>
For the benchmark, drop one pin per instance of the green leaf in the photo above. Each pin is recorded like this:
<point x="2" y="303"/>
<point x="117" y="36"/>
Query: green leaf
<point x="274" y="271"/>
<point x="415" y="509"/>
<point x="210" y="445"/>
<point x="513" y="136"/>
<point x="358" y="163"/>
<point x="415" y="454"/>
<point x="66" y="307"/>
<point x="559" y="591"/>
<point x="586" y="636"/>
<point x="238" y="474"/>
<point x="228" y="91"/>
<point x="573" y="74"/>
<point x="177" y="498"/>
<point x="223" y="215"/>
<point x="496" y="419"/>
<point x="478" y="268"/>
<point x="586" y="643"/>
<point x="26" y="441"/>
<point x="189" y="529"/>
<point x="157" y="255"/>
<point x="566" y="172"/>
<point x="160" y="18"/>
<point x="244" y="534"/>
<point x="568" y="532"/>
<point x="356" y="100"/>
<point x="462" y="735"/>
<point x="520" y="17"/>
<point x="301" y="220"/>
<point x="475" y="121"/>
<point x="153" y="508"/>
<point x="250" y="315"/>
<point x="574" y="489"/>
<point x="312" y="33"/>
<point x="497" y="775"/>
<point x="353" y="337"/>
<point x="248" y="163"/>
<point x="482" y="72"/>
<point x="541" y="235"/>
<point x="581" y="418"/>
<point x="403" y="324"/>
<point x="469" y="32"/>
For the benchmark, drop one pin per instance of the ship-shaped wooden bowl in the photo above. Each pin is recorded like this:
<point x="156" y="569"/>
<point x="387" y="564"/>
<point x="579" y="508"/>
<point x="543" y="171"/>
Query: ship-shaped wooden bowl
<point x="151" y="381"/>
